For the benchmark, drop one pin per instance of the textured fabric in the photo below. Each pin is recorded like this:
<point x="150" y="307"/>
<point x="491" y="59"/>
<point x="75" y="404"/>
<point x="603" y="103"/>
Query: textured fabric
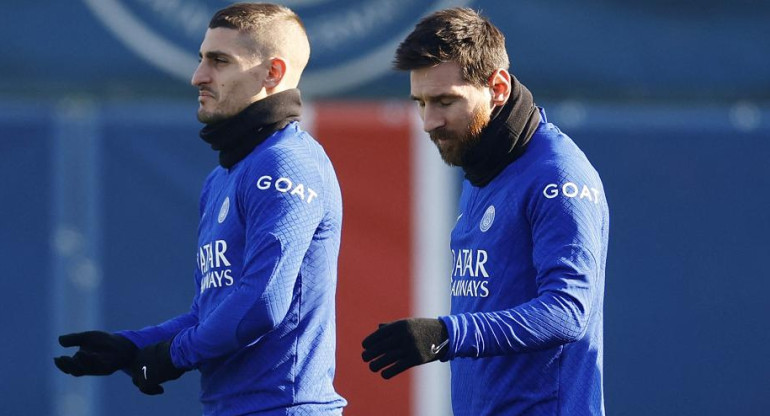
<point x="525" y="330"/>
<point x="153" y="366"/>
<point x="99" y="353"/>
<point x="262" y="325"/>
<point x="403" y="344"/>
<point x="237" y="136"/>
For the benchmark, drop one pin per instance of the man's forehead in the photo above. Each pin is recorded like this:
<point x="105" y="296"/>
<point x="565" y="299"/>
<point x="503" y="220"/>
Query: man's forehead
<point x="437" y="80"/>
<point x="224" y="40"/>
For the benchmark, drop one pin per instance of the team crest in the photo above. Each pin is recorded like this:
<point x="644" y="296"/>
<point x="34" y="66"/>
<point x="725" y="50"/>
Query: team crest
<point x="224" y="210"/>
<point x="487" y="219"/>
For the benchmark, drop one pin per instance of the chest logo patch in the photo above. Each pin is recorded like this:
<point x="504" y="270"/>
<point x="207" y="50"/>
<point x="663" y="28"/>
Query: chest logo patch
<point x="224" y="210"/>
<point x="487" y="219"/>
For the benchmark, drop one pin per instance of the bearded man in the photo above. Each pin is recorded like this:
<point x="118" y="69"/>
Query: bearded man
<point x="524" y="335"/>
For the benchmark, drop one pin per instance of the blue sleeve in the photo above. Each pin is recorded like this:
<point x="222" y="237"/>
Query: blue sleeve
<point x="161" y="332"/>
<point x="568" y="235"/>
<point x="279" y="227"/>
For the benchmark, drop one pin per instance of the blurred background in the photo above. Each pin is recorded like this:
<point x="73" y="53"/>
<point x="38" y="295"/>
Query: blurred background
<point x="101" y="167"/>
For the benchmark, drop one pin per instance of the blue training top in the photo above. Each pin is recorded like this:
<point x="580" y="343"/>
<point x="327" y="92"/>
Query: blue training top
<point x="261" y="328"/>
<point x="529" y="248"/>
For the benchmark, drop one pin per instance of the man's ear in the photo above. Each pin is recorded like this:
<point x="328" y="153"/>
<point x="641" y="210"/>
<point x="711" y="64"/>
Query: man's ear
<point x="500" y="85"/>
<point x="275" y="73"/>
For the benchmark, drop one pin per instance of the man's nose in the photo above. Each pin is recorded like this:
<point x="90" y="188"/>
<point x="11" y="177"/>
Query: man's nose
<point x="432" y="120"/>
<point x="200" y="76"/>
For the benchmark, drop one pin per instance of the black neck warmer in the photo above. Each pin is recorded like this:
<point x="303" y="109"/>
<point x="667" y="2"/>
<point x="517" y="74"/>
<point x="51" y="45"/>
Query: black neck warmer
<point x="504" y="138"/>
<point x="237" y="136"/>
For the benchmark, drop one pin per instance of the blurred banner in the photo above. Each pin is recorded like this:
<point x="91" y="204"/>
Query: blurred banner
<point x="596" y="48"/>
<point x="352" y="41"/>
<point x="399" y="207"/>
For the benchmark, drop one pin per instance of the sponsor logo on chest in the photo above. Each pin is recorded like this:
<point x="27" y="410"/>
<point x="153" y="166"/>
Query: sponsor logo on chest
<point x="470" y="277"/>
<point x="214" y="266"/>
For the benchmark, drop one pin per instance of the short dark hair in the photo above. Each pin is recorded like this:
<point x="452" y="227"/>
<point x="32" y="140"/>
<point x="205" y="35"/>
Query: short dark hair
<point x="266" y="29"/>
<point x="459" y="35"/>
<point x="247" y="17"/>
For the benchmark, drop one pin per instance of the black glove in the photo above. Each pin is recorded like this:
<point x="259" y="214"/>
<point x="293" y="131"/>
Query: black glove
<point x="100" y="353"/>
<point x="405" y="344"/>
<point x="153" y="366"/>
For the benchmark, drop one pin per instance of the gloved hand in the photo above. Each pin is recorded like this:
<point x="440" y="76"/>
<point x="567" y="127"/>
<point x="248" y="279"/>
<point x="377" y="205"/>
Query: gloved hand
<point x="152" y="366"/>
<point x="100" y="354"/>
<point x="405" y="344"/>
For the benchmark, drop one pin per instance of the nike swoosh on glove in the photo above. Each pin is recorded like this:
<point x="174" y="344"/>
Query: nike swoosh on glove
<point x="403" y="344"/>
<point x="152" y="366"/>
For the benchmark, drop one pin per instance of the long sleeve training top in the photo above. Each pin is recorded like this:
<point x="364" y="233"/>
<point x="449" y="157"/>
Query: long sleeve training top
<point x="529" y="252"/>
<point x="261" y="328"/>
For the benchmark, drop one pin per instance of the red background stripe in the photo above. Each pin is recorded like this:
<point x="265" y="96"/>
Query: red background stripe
<point x="369" y="144"/>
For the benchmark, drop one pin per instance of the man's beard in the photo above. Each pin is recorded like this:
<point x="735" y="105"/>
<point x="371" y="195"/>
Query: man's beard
<point x="223" y="111"/>
<point x="458" y="144"/>
<point x="211" y="117"/>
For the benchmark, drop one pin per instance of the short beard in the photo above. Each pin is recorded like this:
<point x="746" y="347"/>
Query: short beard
<point x="458" y="145"/>
<point x="211" y="118"/>
<point x="223" y="112"/>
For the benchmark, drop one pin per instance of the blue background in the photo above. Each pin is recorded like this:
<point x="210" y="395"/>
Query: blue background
<point x="669" y="99"/>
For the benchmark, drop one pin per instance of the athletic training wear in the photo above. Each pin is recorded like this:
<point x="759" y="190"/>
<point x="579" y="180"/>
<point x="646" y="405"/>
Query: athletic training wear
<point x="261" y="329"/>
<point x="529" y="252"/>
